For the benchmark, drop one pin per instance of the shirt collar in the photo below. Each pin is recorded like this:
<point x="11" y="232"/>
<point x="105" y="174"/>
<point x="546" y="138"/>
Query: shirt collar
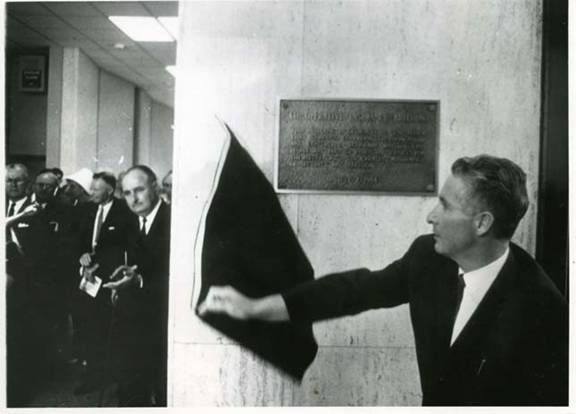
<point x="19" y="203"/>
<point x="481" y="279"/>
<point x="106" y="207"/>
<point x="150" y="217"/>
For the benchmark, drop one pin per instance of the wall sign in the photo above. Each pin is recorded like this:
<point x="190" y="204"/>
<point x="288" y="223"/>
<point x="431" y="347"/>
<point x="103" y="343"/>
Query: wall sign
<point x="357" y="146"/>
<point x="32" y="73"/>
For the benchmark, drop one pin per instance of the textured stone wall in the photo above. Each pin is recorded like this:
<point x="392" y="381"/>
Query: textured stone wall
<point x="481" y="60"/>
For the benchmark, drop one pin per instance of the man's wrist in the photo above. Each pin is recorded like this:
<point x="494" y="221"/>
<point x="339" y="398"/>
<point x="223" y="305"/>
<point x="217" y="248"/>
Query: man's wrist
<point x="255" y="308"/>
<point x="269" y="308"/>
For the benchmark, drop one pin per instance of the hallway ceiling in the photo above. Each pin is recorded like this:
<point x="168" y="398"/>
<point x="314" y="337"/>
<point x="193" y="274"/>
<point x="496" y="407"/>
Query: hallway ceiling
<point x="86" y="25"/>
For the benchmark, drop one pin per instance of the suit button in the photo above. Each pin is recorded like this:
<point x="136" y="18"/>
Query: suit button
<point x="442" y="380"/>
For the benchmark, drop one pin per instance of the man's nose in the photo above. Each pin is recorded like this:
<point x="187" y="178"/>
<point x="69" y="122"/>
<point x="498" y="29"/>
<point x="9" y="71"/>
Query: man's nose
<point x="431" y="218"/>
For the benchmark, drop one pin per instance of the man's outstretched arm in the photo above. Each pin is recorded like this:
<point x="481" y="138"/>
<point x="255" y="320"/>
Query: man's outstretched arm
<point x="227" y="300"/>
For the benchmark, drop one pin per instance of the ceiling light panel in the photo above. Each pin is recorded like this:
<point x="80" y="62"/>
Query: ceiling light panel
<point x="142" y="29"/>
<point x="170" y="24"/>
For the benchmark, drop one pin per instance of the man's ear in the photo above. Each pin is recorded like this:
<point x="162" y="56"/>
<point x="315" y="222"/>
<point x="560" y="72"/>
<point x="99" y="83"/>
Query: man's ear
<point x="483" y="222"/>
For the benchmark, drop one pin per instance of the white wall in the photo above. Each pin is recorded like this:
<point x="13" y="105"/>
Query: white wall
<point x="162" y="133"/>
<point x="115" y="123"/>
<point x="103" y="122"/>
<point x="79" y="118"/>
<point x="54" y="110"/>
<point x="480" y="59"/>
<point x="154" y="134"/>
<point x="143" y="114"/>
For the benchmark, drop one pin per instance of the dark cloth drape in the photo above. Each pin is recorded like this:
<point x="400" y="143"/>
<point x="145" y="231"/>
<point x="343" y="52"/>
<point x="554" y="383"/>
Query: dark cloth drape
<point x="249" y="244"/>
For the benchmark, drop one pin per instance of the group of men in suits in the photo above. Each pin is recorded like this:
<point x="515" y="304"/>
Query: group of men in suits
<point x="490" y="327"/>
<point x="101" y="260"/>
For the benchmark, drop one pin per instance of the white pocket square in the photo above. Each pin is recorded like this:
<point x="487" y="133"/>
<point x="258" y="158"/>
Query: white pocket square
<point x="23" y="225"/>
<point x="111" y="228"/>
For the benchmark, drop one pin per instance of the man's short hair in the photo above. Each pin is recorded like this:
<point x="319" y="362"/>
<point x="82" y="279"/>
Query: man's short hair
<point x="58" y="172"/>
<point x="499" y="185"/>
<point x="152" y="180"/>
<point x="107" y="177"/>
<point x="17" y="165"/>
<point x="47" y="171"/>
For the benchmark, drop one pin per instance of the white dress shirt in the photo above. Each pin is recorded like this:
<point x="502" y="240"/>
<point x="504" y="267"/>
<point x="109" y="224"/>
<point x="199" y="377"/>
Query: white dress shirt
<point x="17" y="206"/>
<point x="105" y="210"/>
<point x="477" y="284"/>
<point x="150" y="217"/>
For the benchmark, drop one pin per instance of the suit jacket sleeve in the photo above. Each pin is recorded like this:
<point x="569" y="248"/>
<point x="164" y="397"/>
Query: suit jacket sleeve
<point x="351" y="292"/>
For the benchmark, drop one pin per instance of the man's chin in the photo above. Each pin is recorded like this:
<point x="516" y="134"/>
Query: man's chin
<point x="438" y="247"/>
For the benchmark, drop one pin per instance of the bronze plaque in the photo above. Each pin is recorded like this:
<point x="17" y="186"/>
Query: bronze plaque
<point x="358" y="146"/>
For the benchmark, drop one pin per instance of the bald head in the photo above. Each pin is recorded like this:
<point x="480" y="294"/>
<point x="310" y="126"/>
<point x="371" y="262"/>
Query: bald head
<point x="17" y="181"/>
<point x="140" y="190"/>
<point x="45" y="186"/>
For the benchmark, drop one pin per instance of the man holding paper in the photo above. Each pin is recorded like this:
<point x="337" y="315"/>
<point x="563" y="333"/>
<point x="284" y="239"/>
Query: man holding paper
<point x="103" y="246"/>
<point x="140" y="292"/>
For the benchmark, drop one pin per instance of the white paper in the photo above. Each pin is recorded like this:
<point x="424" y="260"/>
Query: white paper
<point x="90" y="288"/>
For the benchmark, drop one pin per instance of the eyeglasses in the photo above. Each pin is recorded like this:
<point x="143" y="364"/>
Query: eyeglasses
<point x="16" y="181"/>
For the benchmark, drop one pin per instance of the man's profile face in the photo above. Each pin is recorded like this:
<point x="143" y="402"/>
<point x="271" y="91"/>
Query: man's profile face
<point x="16" y="183"/>
<point x="71" y="193"/>
<point x="167" y="186"/>
<point x="45" y="187"/>
<point x="453" y="219"/>
<point x="140" y="195"/>
<point x="100" y="191"/>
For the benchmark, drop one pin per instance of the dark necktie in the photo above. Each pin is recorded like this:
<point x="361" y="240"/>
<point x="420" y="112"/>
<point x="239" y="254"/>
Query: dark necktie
<point x="11" y="209"/>
<point x="9" y="235"/>
<point x="143" y="228"/>
<point x="460" y="285"/>
<point x="99" y="222"/>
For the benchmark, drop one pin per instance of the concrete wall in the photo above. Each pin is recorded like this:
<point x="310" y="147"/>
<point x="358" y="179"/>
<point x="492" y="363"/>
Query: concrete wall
<point x="154" y="134"/>
<point x="161" y="132"/>
<point x="100" y="121"/>
<point x="115" y="123"/>
<point x="54" y="110"/>
<point x="79" y="120"/>
<point x="480" y="59"/>
<point x="143" y="115"/>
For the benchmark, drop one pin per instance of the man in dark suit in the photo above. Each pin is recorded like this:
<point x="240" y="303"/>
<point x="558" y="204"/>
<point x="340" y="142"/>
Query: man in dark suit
<point x="18" y="204"/>
<point x="490" y="327"/>
<point x="41" y="238"/>
<point x="38" y="259"/>
<point x="140" y="292"/>
<point x="22" y="341"/>
<point x="103" y="244"/>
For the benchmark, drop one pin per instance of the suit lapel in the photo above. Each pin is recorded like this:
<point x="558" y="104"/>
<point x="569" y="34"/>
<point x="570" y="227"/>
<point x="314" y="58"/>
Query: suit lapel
<point x="446" y="296"/>
<point x="111" y="217"/>
<point x="156" y="224"/>
<point x="26" y="203"/>
<point x="481" y="321"/>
